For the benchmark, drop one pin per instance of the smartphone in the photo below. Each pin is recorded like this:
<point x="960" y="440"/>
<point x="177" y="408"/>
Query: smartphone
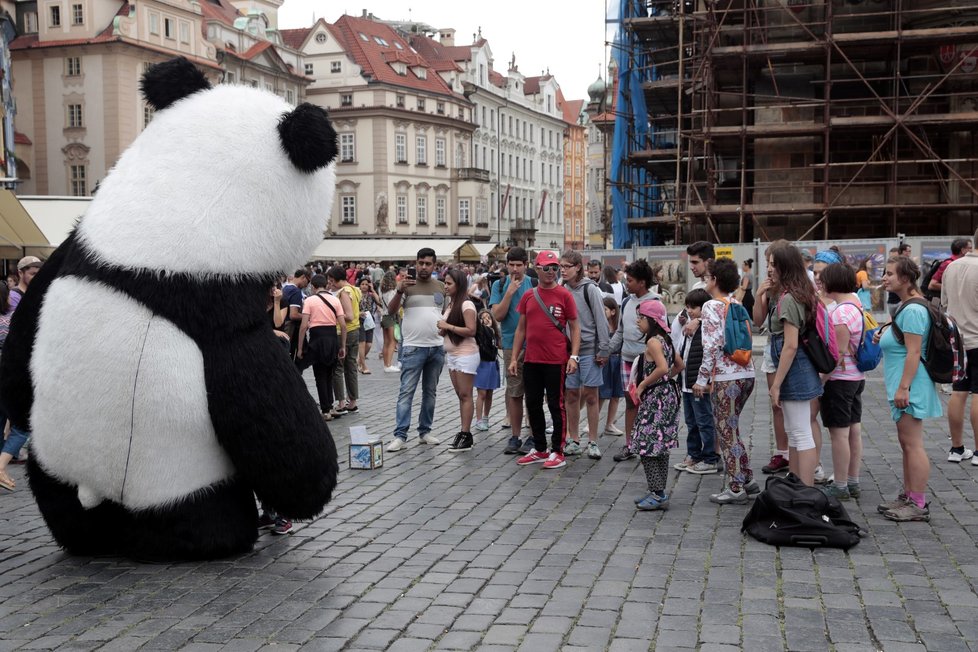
<point x="413" y="273"/>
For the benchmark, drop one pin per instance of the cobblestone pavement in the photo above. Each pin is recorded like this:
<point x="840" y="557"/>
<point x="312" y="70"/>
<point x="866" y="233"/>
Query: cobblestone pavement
<point x="441" y="551"/>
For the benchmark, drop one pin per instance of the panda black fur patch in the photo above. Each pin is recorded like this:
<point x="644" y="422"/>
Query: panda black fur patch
<point x="308" y="137"/>
<point x="167" y="82"/>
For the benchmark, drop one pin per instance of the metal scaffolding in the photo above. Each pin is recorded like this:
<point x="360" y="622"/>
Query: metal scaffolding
<point x="798" y="118"/>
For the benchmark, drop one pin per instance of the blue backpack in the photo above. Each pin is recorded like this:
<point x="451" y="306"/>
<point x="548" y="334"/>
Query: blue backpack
<point x="868" y="353"/>
<point x="737" y="340"/>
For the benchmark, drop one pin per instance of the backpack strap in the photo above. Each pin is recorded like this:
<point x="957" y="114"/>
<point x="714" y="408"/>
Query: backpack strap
<point x="328" y="305"/>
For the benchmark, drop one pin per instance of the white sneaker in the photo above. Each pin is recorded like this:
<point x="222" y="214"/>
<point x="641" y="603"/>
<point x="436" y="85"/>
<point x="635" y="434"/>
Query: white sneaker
<point x="968" y="454"/>
<point x="612" y="429"/>
<point x="430" y="439"/>
<point x="819" y="475"/>
<point x="549" y="430"/>
<point x="392" y="370"/>
<point x="395" y="445"/>
<point x="974" y="461"/>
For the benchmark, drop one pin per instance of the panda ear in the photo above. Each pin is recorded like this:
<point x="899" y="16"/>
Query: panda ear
<point x="167" y="82"/>
<point x="308" y="137"/>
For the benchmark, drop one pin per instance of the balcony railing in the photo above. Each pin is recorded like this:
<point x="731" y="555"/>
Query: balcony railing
<point x="524" y="225"/>
<point x="472" y="174"/>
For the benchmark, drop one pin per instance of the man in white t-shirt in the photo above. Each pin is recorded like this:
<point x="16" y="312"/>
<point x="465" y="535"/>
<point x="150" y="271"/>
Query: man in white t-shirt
<point x="959" y="299"/>
<point x="423" y="351"/>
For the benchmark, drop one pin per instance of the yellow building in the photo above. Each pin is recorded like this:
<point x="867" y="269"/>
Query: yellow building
<point x="575" y="173"/>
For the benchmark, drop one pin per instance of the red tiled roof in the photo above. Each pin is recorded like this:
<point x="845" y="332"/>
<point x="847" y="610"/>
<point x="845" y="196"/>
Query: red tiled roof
<point x="294" y="38"/>
<point x="373" y="58"/>
<point x="32" y="41"/>
<point x="21" y="139"/>
<point x="572" y="111"/>
<point x="440" y="57"/>
<point x="254" y="50"/>
<point x="496" y="79"/>
<point x="220" y="10"/>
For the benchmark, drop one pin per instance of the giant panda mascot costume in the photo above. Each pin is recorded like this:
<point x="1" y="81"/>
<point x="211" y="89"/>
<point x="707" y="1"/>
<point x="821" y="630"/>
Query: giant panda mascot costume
<point x="143" y="360"/>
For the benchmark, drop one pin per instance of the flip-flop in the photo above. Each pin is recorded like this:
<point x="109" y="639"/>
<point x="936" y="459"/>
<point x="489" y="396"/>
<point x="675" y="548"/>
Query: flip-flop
<point x="6" y="482"/>
<point x="365" y="372"/>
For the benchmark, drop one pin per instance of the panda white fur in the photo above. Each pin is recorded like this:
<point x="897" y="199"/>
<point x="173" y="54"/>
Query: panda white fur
<point x="142" y="358"/>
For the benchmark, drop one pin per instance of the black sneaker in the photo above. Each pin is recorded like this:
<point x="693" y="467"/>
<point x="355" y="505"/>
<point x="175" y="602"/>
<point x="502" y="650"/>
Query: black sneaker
<point x="462" y="443"/>
<point x="513" y="447"/>
<point x="623" y="454"/>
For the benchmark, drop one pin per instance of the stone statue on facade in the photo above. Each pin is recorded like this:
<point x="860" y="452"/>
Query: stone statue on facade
<point x="382" y="213"/>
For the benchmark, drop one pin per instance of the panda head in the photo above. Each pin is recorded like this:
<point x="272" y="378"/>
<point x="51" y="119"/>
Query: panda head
<point x="225" y="181"/>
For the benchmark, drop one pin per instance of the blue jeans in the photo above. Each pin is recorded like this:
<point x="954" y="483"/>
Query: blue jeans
<point x="701" y="435"/>
<point x="418" y="363"/>
<point x="15" y="441"/>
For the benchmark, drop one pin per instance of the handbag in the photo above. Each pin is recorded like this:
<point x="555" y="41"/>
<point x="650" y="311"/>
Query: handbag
<point x="397" y="331"/>
<point x="553" y="320"/>
<point x="368" y="322"/>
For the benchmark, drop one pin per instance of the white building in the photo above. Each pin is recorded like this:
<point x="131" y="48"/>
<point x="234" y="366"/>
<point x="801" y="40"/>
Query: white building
<point x="518" y="139"/>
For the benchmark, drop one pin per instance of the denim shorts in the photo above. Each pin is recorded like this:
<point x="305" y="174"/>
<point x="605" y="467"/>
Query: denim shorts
<point x="802" y="382"/>
<point x="588" y="374"/>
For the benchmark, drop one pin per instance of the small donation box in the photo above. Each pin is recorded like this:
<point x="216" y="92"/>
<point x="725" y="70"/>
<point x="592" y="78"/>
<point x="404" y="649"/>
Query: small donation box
<point x="366" y="452"/>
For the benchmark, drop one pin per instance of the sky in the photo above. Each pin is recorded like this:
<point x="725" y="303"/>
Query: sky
<point x="566" y="37"/>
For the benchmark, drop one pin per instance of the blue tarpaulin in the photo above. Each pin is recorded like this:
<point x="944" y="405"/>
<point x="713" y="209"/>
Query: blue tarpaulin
<point x="634" y="191"/>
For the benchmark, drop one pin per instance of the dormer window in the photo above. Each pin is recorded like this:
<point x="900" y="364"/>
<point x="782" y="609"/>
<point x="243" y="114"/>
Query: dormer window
<point x="398" y="45"/>
<point x="380" y="41"/>
<point x="420" y="72"/>
<point x="363" y="37"/>
<point x="399" y="67"/>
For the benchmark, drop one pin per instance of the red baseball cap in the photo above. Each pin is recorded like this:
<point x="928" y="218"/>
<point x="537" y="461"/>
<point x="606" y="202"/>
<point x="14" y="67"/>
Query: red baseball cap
<point x="547" y="258"/>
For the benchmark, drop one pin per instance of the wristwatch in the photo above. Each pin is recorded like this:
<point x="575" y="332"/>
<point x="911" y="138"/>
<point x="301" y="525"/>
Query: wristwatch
<point x="576" y="358"/>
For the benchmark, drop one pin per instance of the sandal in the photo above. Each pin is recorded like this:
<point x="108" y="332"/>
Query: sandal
<point x="365" y="371"/>
<point x="6" y="481"/>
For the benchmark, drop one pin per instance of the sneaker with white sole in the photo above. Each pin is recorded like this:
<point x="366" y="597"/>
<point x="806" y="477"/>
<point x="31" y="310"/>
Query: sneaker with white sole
<point x="593" y="451"/>
<point x="612" y="429"/>
<point x="395" y="445"/>
<point x="430" y="439"/>
<point x="702" y="468"/>
<point x="819" y="476"/>
<point x="727" y="497"/>
<point x="974" y="461"/>
<point x="463" y="442"/>
<point x="392" y="370"/>
<point x="967" y="454"/>
<point x="684" y="465"/>
<point x="549" y="430"/>
<point x="535" y="457"/>
<point x="572" y="448"/>
<point x="482" y="424"/>
<point x="555" y="461"/>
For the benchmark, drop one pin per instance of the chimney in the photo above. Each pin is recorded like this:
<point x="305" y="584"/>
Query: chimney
<point x="446" y="37"/>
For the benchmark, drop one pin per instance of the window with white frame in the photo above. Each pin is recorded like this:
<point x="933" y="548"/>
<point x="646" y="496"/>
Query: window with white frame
<point x="148" y="112"/>
<point x="422" y="209"/>
<point x="440" y="108"/>
<point x="400" y="148"/>
<point x="464" y="211"/>
<point x="184" y="32"/>
<point x="399" y="101"/>
<point x="290" y="96"/>
<point x="72" y="66"/>
<point x="55" y="16"/>
<point x="460" y="155"/>
<point x="308" y="68"/>
<point x="348" y="209"/>
<point x="77" y="14"/>
<point x="348" y="147"/>
<point x="346" y="99"/>
<point x="229" y="77"/>
<point x="154" y="23"/>
<point x="440" y="217"/>
<point x="400" y="207"/>
<point x="335" y="66"/>
<point x="168" y="31"/>
<point x="75" y="116"/>
<point x="30" y="22"/>
<point x="440" y="152"/>
<point x="481" y="212"/>
<point x="420" y="104"/>
<point x="79" y="184"/>
<point x="421" y="151"/>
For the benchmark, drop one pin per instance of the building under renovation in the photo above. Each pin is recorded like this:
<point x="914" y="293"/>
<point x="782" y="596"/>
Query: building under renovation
<point x="743" y="119"/>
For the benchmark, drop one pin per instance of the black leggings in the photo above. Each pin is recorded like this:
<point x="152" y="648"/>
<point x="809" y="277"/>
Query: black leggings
<point x="656" y="472"/>
<point x="540" y="378"/>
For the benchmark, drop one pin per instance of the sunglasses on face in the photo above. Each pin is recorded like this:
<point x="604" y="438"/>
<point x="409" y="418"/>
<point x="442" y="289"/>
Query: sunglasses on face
<point x="550" y="268"/>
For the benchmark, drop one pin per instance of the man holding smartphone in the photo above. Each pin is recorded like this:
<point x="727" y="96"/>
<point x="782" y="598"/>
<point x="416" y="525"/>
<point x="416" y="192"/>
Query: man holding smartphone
<point x="504" y="298"/>
<point x="422" y="352"/>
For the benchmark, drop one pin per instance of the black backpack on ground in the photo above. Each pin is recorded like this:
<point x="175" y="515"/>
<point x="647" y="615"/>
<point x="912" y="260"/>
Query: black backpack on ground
<point x="790" y="513"/>
<point x="928" y="275"/>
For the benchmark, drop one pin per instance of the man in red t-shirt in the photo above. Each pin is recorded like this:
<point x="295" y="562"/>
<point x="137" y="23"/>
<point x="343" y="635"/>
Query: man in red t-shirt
<point x="546" y="359"/>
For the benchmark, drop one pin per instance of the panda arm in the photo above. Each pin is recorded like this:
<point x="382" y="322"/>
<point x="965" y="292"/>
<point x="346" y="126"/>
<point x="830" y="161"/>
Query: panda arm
<point x="16" y="388"/>
<point x="269" y="425"/>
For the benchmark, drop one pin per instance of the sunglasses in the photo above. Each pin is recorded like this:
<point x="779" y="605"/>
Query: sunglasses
<point x="550" y="268"/>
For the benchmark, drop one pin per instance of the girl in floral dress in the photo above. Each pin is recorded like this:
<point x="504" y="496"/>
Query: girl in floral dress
<point x="656" y="428"/>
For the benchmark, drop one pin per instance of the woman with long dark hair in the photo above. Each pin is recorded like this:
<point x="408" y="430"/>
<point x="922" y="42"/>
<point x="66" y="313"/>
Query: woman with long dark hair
<point x="461" y="350"/>
<point x="388" y="319"/>
<point x="796" y="382"/>
<point x="909" y="387"/>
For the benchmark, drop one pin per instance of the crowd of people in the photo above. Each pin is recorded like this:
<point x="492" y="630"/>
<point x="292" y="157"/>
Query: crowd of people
<point x="576" y="336"/>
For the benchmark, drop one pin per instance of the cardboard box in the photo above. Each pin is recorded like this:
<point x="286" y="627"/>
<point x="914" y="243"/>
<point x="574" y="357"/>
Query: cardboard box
<point x="367" y="456"/>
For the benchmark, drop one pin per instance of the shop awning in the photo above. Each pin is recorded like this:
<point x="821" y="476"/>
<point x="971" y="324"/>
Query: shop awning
<point x="19" y="235"/>
<point x="391" y="249"/>
<point x="55" y="216"/>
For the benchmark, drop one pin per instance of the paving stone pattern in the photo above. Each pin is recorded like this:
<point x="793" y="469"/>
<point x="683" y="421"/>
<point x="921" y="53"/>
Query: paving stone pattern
<point x="442" y="551"/>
